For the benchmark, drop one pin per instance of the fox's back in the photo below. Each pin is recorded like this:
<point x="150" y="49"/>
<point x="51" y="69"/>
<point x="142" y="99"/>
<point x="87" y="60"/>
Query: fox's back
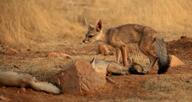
<point x="128" y="33"/>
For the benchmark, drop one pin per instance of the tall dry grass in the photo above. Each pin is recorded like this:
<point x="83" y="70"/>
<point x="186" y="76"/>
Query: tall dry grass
<point x="29" y="24"/>
<point x="40" y="23"/>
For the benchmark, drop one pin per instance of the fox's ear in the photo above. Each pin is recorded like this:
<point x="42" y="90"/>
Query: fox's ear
<point x="99" y="26"/>
<point x="92" y="62"/>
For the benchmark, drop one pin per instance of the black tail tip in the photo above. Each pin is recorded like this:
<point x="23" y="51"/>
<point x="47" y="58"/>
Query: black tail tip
<point x="163" y="68"/>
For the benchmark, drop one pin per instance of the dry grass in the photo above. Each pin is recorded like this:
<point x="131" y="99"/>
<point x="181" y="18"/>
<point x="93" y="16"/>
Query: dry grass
<point x="29" y="24"/>
<point x="40" y="23"/>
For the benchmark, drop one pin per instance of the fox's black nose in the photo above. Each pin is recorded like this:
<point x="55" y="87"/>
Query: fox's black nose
<point x="84" y="41"/>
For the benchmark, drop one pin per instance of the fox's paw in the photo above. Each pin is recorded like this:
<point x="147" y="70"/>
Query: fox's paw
<point x="21" y="90"/>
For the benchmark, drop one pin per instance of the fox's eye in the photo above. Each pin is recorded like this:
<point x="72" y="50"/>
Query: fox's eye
<point x="90" y="36"/>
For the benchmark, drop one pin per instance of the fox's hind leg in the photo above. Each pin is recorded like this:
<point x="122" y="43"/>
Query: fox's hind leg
<point x="124" y="55"/>
<point x="118" y="55"/>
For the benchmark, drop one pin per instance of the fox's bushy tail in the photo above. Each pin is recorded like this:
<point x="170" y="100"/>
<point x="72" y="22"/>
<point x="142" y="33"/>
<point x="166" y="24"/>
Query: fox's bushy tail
<point x="45" y="86"/>
<point x="162" y="54"/>
<point x="9" y="78"/>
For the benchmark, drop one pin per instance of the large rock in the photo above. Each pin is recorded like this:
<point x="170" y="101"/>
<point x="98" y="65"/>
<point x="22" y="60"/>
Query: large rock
<point x="80" y="78"/>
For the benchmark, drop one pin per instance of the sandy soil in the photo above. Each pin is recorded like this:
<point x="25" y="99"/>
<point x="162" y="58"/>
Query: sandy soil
<point x="175" y="85"/>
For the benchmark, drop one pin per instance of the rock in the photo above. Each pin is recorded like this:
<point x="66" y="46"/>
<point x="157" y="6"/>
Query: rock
<point x="175" y="61"/>
<point x="10" y="51"/>
<point x="80" y="78"/>
<point x="58" y="54"/>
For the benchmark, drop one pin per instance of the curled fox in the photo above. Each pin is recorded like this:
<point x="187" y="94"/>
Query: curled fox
<point x="105" y="68"/>
<point x="120" y="37"/>
<point x="9" y="78"/>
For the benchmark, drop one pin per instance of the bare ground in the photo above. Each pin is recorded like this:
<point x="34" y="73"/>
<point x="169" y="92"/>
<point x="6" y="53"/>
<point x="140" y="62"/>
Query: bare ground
<point x="175" y="85"/>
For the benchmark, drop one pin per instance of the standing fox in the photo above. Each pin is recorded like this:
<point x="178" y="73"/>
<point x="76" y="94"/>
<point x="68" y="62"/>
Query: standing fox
<point x="120" y="37"/>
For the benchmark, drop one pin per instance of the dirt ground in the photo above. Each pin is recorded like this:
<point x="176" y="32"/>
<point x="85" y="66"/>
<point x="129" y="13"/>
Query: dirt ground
<point x="174" y="86"/>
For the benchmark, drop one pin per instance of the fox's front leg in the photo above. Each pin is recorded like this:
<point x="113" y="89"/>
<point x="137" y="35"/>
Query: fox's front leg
<point x="124" y="55"/>
<point x="118" y="55"/>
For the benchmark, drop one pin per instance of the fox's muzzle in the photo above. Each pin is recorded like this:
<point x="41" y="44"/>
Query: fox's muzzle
<point x="85" y="41"/>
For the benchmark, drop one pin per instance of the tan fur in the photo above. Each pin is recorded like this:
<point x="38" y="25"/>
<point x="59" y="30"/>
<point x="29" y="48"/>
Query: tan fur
<point x="105" y="67"/>
<point x="120" y="37"/>
<point x="174" y="61"/>
<point x="10" y="78"/>
<point x="104" y="49"/>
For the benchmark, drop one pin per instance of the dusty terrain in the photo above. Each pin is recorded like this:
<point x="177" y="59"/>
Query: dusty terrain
<point x="175" y="85"/>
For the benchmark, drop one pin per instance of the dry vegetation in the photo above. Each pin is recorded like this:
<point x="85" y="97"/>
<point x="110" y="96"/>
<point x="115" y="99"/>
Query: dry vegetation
<point x="33" y="23"/>
<point x="45" y="23"/>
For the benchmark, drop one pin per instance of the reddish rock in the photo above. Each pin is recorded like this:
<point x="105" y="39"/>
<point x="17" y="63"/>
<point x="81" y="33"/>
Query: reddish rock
<point x="52" y="54"/>
<point x="80" y="78"/>
<point x="10" y="51"/>
<point x="175" y="61"/>
<point x="58" y="54"/>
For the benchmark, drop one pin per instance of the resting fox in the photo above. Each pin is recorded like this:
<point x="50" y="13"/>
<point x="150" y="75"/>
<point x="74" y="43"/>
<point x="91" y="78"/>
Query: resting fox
<point x="120" y="37"/>
<point x="108" y="67"/>
<point x="9" y="78"/>
<point x="105" y="68"/>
